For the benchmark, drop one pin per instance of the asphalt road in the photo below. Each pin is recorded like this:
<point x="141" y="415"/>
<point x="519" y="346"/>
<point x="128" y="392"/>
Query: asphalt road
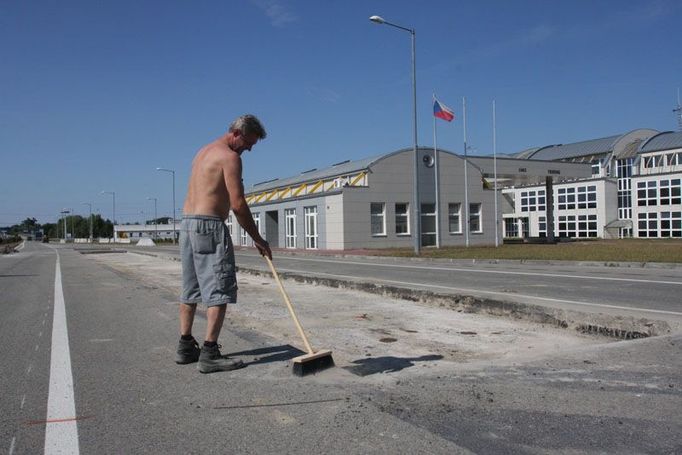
<point x="129" y="397"/>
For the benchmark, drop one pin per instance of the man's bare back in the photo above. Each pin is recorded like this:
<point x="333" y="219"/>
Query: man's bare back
<point x="208" y="193"/>
<point x="215" y="185"/>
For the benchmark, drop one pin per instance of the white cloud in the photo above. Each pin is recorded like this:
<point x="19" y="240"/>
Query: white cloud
<point x="276" y="11"/>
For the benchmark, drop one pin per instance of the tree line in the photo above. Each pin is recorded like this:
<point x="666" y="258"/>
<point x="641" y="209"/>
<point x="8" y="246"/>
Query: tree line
<point x="76" y="226"/>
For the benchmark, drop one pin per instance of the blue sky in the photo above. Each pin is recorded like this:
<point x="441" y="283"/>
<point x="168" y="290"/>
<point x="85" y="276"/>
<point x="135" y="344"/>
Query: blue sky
<point x="95" y="95"/>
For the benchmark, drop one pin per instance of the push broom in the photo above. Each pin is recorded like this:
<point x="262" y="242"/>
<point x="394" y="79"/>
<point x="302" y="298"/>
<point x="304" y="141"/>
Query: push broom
<point x="311" y="362"/>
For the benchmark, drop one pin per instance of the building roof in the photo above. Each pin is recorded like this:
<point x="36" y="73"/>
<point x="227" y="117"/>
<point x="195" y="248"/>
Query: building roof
<point x="617" y="144"/>
<point x="338" y="169"/>
<point x="563" y="151"/>
<point x="335" y="170"/>
<point x="663" y="141"/>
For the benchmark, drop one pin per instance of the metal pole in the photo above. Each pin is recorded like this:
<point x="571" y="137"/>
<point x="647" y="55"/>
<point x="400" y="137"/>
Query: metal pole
<point x="417" y="210"/>
<point x="466" y="180"/>
<point x="156" y="229"/>
<point x="175" y="240"/>
<point x="113" y="230"/>
<point x="90" y="206"/>
<point x="155" y="217"/>
<point x="497" y="241"/>
<point x="435" y="166"/>
<point x="173" y="211"/>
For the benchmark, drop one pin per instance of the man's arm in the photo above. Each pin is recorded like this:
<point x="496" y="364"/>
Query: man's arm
<point x="232" y="172"/>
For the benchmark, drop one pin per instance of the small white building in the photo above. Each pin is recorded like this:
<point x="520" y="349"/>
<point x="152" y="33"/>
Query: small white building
<point x="135" y="232"/>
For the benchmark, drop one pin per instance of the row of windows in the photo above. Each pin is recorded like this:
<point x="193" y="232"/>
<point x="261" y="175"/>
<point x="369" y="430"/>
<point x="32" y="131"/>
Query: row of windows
<point x="654" y="192"/>
<point x="667" y="159"/>
<point x="532" y="200"/>
<point x="428" y="219"/>
<point x="664" y="224"/>
<point x="581" y="197"/>
<point x="577" y="226"/>
<point x="290" y="237"/>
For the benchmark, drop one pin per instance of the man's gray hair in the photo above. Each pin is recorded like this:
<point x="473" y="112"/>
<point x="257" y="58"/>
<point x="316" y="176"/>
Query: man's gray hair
<point x="248" y="124"/>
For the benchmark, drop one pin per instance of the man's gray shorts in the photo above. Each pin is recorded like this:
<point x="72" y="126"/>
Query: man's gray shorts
<point x="208" y="271"/>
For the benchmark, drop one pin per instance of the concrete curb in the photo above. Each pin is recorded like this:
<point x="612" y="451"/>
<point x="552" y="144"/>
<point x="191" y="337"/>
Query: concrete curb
<point x="651" y="265"/>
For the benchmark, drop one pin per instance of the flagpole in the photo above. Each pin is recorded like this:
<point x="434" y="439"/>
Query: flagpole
<point x="466" y="180"/>
<point x="497" y="227"/>
<point x="435" y="166"/>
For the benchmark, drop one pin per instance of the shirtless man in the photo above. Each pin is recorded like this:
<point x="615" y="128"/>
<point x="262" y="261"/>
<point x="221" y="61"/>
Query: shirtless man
<point x="208" y="267"/>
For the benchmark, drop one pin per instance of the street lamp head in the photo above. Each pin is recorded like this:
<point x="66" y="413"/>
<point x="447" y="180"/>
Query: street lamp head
<point x="377" y="19"/>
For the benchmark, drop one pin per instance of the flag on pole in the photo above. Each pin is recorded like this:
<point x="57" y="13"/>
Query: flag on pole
<point x="442" y="111"/>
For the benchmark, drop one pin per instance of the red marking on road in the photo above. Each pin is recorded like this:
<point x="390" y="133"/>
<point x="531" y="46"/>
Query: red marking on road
<point x="69" y="419"/>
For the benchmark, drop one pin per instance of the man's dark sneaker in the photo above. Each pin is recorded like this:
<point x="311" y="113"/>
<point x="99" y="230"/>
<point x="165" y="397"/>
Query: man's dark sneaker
<point x="188" y="352"/>
<point x="211" y="360"/>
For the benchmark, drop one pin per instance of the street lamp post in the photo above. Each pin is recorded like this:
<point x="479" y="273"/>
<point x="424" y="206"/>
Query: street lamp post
<point x="173" y="212"/>
<point x="89" y="205"/>
<point x="155" y="218"/>
<point x="417" y="211"/>
<point x="113" y="227"/>
<point x="65" y="212"/>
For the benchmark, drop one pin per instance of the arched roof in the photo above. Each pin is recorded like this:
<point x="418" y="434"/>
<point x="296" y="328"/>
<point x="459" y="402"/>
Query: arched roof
<point x="663" y="141"/>
<point x="335" y="170"/>
<point x="591" y="147"/>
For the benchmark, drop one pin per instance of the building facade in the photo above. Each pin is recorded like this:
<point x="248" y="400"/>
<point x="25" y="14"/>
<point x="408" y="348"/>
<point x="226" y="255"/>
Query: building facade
<point x="368" y="203"/>
<point x="634" y="190"/>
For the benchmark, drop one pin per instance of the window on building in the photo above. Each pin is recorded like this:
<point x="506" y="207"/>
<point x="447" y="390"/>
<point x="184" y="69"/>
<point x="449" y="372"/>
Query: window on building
<point x="577" y="226"/>
<point x="256" y="221"/>
<point x="647" y="193"/>
<point x="455" y="218"/>
<point x="475" y="224"/>
<point x="378" y="218"/>
<point x="511" y="227"/>
<point x="243" y="237"/>
<point x="566" y="198"/>
<point x="290" y="228"/>
<point x="533" y="200"/>
<point x="669" y="191"/>
<point x="428" y="224"/>
<point x="671" y="224"/>
<point x="542" y="226"/>
<point x="647" y="224"/>
<point x="402" y="218"/>
<point x="310" y="227"/>
<point x="229" y="224"/>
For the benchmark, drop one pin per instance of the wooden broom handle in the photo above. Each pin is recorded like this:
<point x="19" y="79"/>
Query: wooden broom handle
<point x="291" y="308"/>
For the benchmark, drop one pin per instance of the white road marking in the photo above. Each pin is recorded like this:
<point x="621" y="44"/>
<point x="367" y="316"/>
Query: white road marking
<point x="506" y="294"/>
<point x="502" y="272"/>
<point x="60" y="437"/>
<point x="36" y="347"/>
<point x="40" y="334"/>
<point x="28" y="370"/>
<point x="23" y="400"/>
<point x="11" y="446"/>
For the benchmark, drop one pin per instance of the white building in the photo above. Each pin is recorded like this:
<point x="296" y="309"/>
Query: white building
<point x="634" y="190"/>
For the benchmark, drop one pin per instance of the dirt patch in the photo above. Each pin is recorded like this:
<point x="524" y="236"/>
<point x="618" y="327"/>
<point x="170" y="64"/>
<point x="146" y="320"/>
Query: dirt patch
<point x="362" y="328"/>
